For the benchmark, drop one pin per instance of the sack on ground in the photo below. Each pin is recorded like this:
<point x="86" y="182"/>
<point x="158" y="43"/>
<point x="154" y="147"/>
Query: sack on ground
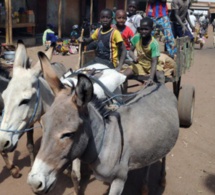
<point x="168" y="64"/>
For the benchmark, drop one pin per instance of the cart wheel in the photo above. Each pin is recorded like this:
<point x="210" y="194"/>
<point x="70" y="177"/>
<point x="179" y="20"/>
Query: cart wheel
<point x="186" y="102"/>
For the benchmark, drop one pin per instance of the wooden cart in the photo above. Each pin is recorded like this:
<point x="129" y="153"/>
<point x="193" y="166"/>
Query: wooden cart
<point x="184" y="93"/>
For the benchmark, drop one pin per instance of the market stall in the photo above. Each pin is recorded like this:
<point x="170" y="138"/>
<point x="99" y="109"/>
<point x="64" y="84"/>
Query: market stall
<point x="11" y="19"/>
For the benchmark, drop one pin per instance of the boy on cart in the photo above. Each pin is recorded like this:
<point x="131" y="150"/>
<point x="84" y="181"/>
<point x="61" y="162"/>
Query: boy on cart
<point x="147" y="49"/>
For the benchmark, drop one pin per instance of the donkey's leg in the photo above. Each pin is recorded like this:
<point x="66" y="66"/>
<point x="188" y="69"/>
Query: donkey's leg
<point x="76" y="175"/>
<point x="14" y="170"/>
<point x="30" y="145"/>
<point x="163" y="173"/>
<point x="118" y="183"/>
<point x="117" y="186"/>
<point x="145" y="189"/>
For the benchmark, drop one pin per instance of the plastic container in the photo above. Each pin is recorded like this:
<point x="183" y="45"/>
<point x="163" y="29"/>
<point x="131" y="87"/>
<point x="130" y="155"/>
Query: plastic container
<point x="23" y="18"/>
<point x="31" y="16"/>
<point x="9" y="55"/>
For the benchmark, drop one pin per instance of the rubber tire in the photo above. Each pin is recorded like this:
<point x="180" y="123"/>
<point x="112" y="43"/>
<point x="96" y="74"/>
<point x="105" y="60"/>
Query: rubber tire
<point x="186" y="101"/>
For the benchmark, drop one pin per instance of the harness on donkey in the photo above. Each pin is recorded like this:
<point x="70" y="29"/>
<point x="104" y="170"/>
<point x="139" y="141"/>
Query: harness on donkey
<point x="93" y="75"/>
<point x="113" y="100"/>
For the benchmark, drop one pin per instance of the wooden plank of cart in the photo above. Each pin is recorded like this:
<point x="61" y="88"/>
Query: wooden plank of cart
<point x="184" y="93"/>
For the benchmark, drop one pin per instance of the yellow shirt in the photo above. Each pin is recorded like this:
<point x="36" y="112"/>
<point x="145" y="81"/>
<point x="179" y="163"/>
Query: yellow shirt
<point x="107" y="44"/>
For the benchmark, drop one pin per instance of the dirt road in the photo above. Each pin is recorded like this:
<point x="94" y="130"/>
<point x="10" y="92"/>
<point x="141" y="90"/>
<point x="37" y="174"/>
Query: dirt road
<point x="190" y="165"/>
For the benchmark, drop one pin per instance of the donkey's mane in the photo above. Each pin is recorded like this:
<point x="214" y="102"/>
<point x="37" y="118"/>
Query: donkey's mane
<point x="101" y="107"/>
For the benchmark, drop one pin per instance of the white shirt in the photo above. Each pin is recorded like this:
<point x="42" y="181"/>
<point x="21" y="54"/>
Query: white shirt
<point x="193" y="20"/>
<point x="201" y="19"/>
<point x="133" y="22"/>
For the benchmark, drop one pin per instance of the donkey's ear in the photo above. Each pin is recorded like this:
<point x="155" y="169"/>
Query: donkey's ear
<point x="21" y="57"/>
<point x="49" y="74"/>
<point x="84" y="90"/>
<point x="37" y="66"/>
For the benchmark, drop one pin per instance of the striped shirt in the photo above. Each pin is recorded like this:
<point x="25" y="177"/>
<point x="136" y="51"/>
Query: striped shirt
<point x="157" y="9"/>
<point x="107" y="44"/>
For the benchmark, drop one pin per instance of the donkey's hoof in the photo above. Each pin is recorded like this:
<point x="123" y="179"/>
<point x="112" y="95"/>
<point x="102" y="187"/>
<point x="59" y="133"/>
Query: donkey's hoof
<point x="145" y="190"/>
<point x="163" y="182"/>
<point x="15" y="172"/>
<point x="74" y="193"/>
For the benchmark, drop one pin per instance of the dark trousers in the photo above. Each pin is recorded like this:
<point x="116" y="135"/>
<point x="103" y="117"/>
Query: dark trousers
<point x="177" y="31"/>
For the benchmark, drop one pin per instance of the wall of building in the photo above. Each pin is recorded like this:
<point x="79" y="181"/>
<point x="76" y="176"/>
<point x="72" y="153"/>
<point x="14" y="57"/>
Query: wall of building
<point x="52" y="12"/>
<point x="16" y="4"/>
<point x="70" y="14"/>
<point x="110" y="4"/>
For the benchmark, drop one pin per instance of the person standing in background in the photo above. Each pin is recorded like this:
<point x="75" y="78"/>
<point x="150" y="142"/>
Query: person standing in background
<point x="193" y="19"/>
<point x="201" y="18"/>
<point x="213" y="24"/>
<point x="179" y="18"/>
<point x="133" y="19"/>
<point x="158" y="12"/>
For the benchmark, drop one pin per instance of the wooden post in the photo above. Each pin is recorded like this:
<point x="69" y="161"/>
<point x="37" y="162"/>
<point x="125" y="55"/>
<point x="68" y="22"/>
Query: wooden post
<point x="80" y="50"/>
<point x="125" y="5"/>
<point x="91" y="12"/>
<point x="10" y="22"/>
<point x="6" y="22"/>
<point x="59" y="19"/>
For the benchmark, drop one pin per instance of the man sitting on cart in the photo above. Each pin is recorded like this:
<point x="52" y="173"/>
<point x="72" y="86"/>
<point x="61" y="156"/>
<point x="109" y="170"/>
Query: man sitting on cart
<point x="147" y="48"/>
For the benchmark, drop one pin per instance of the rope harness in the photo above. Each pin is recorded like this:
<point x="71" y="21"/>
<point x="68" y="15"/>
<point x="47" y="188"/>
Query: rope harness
<point x="111" y="96"/>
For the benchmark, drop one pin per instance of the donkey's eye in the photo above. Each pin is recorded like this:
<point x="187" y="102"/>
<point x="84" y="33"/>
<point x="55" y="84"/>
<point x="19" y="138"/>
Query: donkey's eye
<point x="68" y="135"/>
<point x="25" y="101"/>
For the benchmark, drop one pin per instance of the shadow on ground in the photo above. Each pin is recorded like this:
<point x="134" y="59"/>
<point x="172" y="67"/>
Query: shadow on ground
<point x="210" y="182"/>
<point x="134" y="182"/>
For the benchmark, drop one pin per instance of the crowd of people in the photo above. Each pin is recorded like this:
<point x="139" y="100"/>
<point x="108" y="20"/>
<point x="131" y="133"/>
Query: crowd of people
<point x="126" y="37"/>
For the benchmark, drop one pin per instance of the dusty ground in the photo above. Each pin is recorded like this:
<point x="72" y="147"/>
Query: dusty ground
<point x="190" y="165"/>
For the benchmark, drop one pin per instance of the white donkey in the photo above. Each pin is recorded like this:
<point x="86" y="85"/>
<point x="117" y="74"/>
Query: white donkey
<point x="26" y="98"/>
